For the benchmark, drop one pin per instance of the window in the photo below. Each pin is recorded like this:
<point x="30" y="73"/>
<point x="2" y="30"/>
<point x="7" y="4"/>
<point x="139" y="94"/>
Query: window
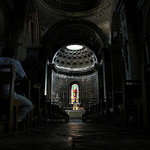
<point x="74" y="94"/>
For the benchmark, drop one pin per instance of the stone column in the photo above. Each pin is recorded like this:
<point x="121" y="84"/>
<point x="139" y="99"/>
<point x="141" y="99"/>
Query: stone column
<point x="99" y="68"/>
<point x="131" y="41"/>
<point x="48" y="92"/>
<point x="117" y="80"/>
<point x="107" y="84"/>
<point x="49" y="82"/>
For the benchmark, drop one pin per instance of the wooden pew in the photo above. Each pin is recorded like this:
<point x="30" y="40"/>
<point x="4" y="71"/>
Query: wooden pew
<point x="24" y="88"/>
<point x="8" y="105"/>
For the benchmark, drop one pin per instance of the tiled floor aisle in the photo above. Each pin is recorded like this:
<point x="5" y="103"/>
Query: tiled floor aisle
<point x="77" y="136"/>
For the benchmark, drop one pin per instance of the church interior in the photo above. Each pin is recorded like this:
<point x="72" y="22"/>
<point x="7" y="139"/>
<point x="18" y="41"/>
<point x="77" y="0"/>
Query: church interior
<point x="88" y="69"/>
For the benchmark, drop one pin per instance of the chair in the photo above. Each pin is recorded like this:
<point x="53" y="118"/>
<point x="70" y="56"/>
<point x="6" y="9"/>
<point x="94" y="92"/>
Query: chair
<point x="8" y="106"/>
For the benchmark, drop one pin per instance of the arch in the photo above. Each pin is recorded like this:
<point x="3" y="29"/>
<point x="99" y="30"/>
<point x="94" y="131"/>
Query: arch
<point x="74" y="31"/>
<point x="34" y="28"/>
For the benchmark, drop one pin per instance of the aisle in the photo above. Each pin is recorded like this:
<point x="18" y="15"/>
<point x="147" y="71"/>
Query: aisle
<point x="77" y="136"/>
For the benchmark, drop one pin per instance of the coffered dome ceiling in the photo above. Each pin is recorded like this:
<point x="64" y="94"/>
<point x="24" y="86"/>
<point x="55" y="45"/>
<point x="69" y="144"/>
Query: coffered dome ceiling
<point x="76" y="60"/>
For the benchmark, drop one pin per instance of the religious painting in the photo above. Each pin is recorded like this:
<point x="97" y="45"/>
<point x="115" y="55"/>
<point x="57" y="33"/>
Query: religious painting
<point x="74" y="93"/>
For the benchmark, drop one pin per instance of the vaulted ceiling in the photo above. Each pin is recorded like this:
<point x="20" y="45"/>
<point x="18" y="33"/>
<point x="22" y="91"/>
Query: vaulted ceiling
<point x="50" y="12"/>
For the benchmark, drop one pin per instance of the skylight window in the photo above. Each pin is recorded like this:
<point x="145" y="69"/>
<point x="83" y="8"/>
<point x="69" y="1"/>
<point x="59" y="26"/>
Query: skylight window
<point x="74" y="47"/>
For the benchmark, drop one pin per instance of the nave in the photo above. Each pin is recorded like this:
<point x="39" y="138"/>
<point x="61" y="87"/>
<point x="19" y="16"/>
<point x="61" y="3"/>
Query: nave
<point x="77" y="136"/>
<point x="85" y="57"/>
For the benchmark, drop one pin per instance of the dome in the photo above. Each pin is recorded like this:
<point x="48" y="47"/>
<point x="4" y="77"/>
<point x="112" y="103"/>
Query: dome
<point x="76" y="58"/>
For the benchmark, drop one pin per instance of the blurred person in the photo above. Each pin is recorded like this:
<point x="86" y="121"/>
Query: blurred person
<point x="8" y="58"/>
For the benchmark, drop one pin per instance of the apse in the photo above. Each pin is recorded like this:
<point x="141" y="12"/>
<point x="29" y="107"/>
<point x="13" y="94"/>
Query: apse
<point x="74" y="70"/>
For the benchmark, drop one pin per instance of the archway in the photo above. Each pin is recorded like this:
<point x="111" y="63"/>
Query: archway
<point x="74" y="31"/>
<point x="74" y="77"/>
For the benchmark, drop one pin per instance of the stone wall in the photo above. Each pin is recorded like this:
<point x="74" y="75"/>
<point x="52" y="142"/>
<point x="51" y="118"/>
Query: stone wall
<point x="61" y="88"/>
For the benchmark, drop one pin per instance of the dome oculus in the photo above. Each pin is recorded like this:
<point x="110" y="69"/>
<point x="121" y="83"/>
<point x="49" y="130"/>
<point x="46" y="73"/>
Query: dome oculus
<point x="74" y="47"/>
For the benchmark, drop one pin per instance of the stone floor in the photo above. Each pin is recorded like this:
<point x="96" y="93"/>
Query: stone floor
<point x="76" y="136"/>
